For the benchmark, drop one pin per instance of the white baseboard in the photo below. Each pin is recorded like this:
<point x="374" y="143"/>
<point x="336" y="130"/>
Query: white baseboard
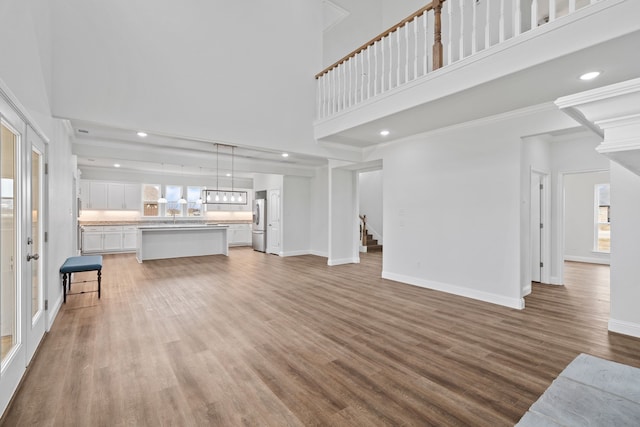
<point x="590" y="260"/>
<point x="52" y="313"/>
<point x="555" y="280"/>
<point x="333" y="262"/>
<point x="363" y="249"/>
<point x="295" y="253"/>
<point x="517" y="303"/>
<point x="323" y="254"/>
<point x="623" y="327"/>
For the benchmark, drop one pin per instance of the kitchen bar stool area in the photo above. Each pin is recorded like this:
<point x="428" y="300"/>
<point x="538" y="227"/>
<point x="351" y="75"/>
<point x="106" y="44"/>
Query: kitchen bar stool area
<point x="77" y="264"/>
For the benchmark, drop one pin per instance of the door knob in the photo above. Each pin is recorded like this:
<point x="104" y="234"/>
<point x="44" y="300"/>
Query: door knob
<point x="34" y="256"/>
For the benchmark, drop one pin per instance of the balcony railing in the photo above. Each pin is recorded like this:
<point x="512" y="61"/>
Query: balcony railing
<point x="437" y="35"/>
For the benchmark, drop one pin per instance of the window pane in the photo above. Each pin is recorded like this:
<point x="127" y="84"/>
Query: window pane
<point x="604" y="237"/>
<point x="603" y="228"/>
<point x="150" y="195"/>
<point x="193" y="196"/>
<point x="173" y="193"/>
<point x="9" y="295"/>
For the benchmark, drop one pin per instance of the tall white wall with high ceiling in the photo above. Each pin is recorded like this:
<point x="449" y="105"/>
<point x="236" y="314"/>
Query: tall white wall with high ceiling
<point x="241" y="77"/>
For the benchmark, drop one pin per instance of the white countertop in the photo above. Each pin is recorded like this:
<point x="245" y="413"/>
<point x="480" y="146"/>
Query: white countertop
<point x="181" y="226"/>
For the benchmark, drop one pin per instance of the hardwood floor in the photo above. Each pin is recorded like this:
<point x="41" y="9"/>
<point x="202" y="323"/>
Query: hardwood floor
<point x="255" y="339"/>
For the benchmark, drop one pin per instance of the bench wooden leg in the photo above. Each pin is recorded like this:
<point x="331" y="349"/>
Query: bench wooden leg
<point x="99" y="280"/>
<point x="64" y="287"/>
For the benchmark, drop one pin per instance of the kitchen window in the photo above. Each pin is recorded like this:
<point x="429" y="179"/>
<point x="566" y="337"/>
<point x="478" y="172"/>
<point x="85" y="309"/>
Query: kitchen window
<point x="173" y="193"/>
<point x="150" y="195"/>
<point x="602" y="235"/>
<point x="194" y="201"/>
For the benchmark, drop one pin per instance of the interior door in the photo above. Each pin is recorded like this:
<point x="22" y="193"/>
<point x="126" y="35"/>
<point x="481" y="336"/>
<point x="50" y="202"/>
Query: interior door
<point x="34" y="258"/>
<point x="536" y="227"/>
<point x="273" y="223"/>
<point x="12" y="305"/>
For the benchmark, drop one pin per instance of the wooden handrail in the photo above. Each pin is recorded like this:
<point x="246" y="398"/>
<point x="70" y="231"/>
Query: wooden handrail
<point x="435" y="4"/>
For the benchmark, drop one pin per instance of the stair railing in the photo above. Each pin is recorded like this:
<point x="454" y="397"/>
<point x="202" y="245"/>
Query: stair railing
<point x="363" y="229"/>
<point x="414" y="47"/>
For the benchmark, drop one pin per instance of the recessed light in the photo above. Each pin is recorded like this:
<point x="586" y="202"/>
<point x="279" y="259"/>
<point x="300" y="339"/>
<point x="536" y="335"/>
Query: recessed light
<point x="285" y="154"/>
<point x="384" y="132"/>
<point x="116" y="165"/>
<point x="228" y="174"/>
<point x="590" y="75"/>
<point x="142" y="134"/>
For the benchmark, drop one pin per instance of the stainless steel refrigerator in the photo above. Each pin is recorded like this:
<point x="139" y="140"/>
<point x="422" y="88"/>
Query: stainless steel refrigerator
<point x="259" y="231"/>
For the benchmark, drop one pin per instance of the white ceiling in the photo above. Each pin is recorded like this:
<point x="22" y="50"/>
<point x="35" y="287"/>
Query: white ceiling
<point x="100" y="146"/>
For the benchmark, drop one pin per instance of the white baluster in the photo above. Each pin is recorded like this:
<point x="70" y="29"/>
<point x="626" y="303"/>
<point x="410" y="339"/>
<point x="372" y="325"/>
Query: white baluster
<point x="487" y="26"/>
<point x="375" y="76"/>
<point x="333" y="90"/>
<point x="416" y="24"/>
<point x="474" y="31"/>
<point x="390" y="43"/>
<point x="517" y="18"/>
<point x="406" y="60"/>
<point x="398" y="56"/>
<point x="448" y="5"/>
<point x="534" y="14"/>
<point x="552" y="10"/>
<point x="425" y="64"/>
<point x="383" y="66"/>
<point x="462" y="35"/>
<point x="572" y="6"/>
<point x="319" y="114"/>
<point x="325" y="85"/>
<point x="369" y="49"/>
<point x="501" y="38"/>
<point x="352" y="86"/>
<point x="343" y="86"/>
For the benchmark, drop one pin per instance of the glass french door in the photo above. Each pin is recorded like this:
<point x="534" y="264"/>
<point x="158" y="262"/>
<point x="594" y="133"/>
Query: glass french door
<point x="12" y="348"/>
<point x="22" y="285"/>
<point x="34" y="278"/>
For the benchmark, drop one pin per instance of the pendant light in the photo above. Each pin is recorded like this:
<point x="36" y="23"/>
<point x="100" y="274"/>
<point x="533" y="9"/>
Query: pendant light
<point x="182" y="200"/>
<point x="199" y="201"/>
<point x="162" y="199"/>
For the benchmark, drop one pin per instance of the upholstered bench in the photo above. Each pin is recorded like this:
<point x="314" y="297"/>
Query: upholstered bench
<point x="76" y="264"/>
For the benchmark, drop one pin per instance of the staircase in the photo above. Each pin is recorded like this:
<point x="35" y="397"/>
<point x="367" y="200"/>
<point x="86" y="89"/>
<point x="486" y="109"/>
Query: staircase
<point x="367" y="239"/>
<point x="372" y="244"/>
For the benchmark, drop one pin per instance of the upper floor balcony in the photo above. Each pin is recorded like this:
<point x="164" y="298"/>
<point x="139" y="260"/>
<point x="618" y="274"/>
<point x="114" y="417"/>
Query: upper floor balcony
<point x="455" y="61"/>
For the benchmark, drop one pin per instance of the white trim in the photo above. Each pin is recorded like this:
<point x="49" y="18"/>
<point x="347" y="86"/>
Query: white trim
<point x="295" y="253"/>
<point x="598" y="94"/>
<point x="52" y="313"/>
<point x="323" y="254"/>
<point x="555" y="280"/>
<point x="20" y="109"/>
<point x="624" y="327"/>
<point x="586" y="259"/>
<point x="334" y="262"/>
<point x="517" y="303"/>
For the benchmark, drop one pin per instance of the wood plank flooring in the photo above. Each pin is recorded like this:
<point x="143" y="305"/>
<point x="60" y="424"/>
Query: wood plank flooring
<point x="255" y="339"/>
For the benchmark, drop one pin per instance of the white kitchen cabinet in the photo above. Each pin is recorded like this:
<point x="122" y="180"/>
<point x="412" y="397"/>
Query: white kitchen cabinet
<point x="239" y="235"/>
<point x="115" y="195"/>
<point x="129" y="238"/>
<point x="100" y="195"/>
<point x="105" y="239"/>
<point x="92" y="239"/>
<point x="132" y="196"/>
<point x="97" y="195"/>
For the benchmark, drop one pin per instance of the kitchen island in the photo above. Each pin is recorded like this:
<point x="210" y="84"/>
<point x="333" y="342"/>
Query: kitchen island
<point x="181" y="240"/>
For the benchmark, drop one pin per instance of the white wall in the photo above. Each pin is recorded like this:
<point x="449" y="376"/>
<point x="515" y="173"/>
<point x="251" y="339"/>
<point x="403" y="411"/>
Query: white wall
<point x="236" y="72"/>
<point x="625" y="240"/>
<point x="363" y="23"/>
<point x="296" y="216"/>
<point x="370" y="191"/>
<point x="579" y="215"/>
<point x="451" y="215"/>
<point x="343" y="217"/>
<point x="320" y="212"/>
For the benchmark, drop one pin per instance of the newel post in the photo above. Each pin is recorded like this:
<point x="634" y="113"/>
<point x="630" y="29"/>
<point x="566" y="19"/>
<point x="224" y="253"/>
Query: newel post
<point x="437" y="33"/>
